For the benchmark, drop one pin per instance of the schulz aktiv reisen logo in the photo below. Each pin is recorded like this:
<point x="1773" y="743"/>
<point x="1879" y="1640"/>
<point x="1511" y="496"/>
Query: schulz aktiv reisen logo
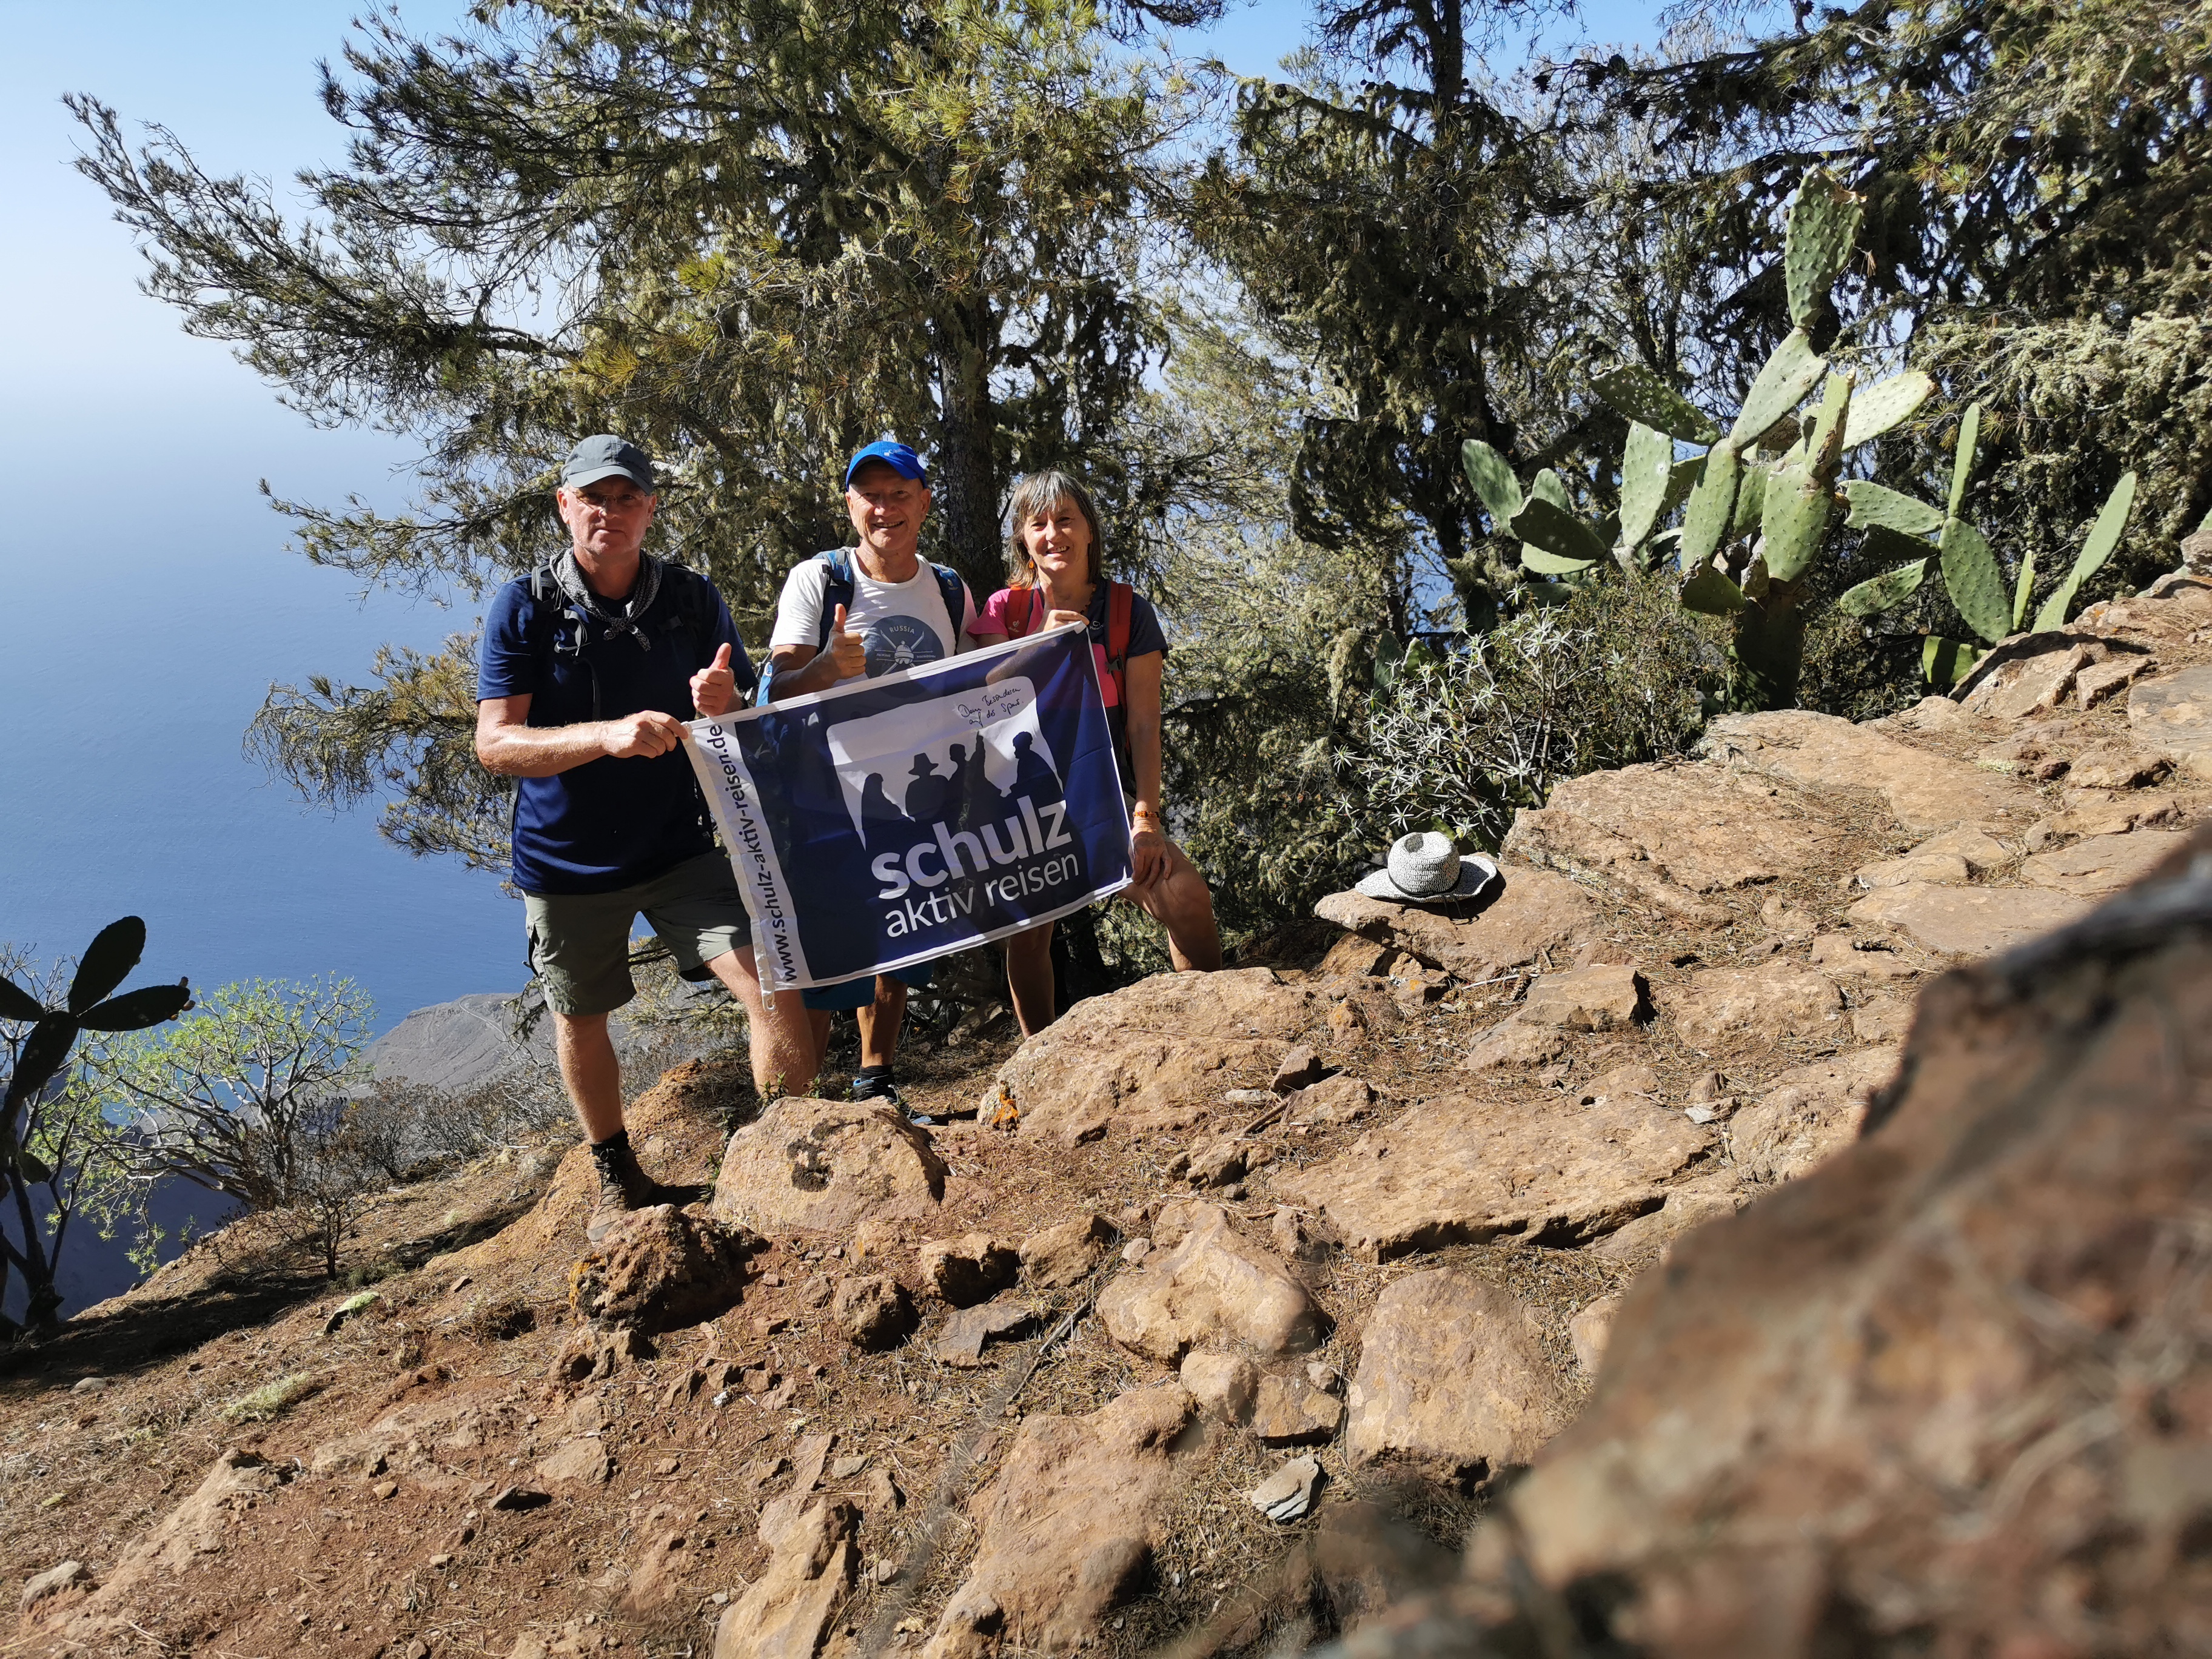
<point x="959" y="802"/>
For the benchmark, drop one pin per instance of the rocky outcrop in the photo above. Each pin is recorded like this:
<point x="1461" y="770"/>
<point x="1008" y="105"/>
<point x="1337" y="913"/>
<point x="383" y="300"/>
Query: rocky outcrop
<point x="826" y="1166"/>
<point x="1153" y="1054"/>
<point x="1924" y="792"/>
<point x="1452" y="1378"/>
<point x="184" y="1540"/>
<point x="1068" y="1528"/>
<point x="1948" y="1389"/>
<point x="1463" y="1168"/>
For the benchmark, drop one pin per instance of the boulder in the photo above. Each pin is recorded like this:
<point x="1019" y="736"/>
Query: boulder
<point x="1298" y="1069"/>
<point x="1065" y="1255"/>
<point x="1669" y="834"/>
<point x="1534" y="913"/>
<point x="1968" y="921"/>
<point x="807" y="1166"/>
<point x="1212" y="1286"/>
<point x="1603" y="997"/>
<point x="70" y="1575"/>
<point x="1156" y="1054"/>
<point x="1776" y="999"/>
<point x="872" y="1310"/>
<point x="786" y="1611"/>
<point x="1452" y="1378"/>
<point x="659" y="1268"/>
<point x="969" y="1269"/>
<point x="1463" y="1169"/>
<point x="2028" y="684"/>
<point x="2102" y="864"/>
<point x="1924" y="792"/>
<point x="1332" y="1101"/>
<point x="2172" y="715"/>
<point x="1908" y="1400"/>
<point x="1068" y="1528"/>
<point x="1810" y="1114"/>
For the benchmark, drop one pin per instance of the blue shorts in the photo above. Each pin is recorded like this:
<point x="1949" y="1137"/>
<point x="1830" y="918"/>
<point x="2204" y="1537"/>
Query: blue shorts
<point x="859" y="992"/>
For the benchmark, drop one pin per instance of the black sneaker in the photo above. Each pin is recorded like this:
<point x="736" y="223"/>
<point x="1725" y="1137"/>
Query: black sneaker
<point x="873" y="1085"/>
<point x="624" y="1187"/>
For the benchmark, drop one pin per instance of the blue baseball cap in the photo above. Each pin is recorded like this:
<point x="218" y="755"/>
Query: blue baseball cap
<point x="894" y="455"/>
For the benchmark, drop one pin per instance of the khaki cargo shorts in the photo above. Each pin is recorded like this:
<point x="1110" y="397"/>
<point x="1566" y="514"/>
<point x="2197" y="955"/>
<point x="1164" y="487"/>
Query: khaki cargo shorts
<point x="580" y="942"/>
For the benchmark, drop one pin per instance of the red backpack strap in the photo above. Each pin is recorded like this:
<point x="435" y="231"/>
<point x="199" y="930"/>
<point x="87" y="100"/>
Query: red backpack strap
<point x="1121" y="600"/>
<point x="1020" y="625"/>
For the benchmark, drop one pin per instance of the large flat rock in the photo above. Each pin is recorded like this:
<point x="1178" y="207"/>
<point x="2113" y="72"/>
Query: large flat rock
<point x="1155" y="1053"/>
<point x="2098" y="865"/>
<point x="1968" y="921"/>
<point x="1670" y="833"/>
<point x="1462" y="1169"/>
<point x="1452" y="1378"/>
<point x="2173" y="715"/>
<point x="1924" y="792"/>
<point x="1536" y="914"/>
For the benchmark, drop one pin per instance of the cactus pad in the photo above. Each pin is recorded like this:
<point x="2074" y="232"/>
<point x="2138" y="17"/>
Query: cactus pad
<point x="1793" y="520"/>
<point x="1492" y="479"/>
<point x="2023" y="589"/>
<point x="1640" y="395"/>
<point x="1647" y="462"/>
<point x="1824" y="221"/>
<point x="1962" y="464"/>
<point x="1946" y="662"/>
<point x="1712" y="594"/>
<point x="1976" y="585"/>
<point x="1874" y="506"/>
<point x="1892" y="587"/>
<point x="1792" y="371"/>
<point x="1885" y="405"/>
<point x="2104" y="536"/>
<point x="1712" y="503"/>
<point x="1543" y="523"/>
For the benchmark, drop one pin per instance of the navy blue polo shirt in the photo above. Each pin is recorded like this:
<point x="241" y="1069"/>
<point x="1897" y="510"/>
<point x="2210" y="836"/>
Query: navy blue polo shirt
<point x="608" y="824"/>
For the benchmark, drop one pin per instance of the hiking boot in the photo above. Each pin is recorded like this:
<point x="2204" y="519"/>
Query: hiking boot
<point x="624" y="1187"/>
<point x="878" y="1084"/>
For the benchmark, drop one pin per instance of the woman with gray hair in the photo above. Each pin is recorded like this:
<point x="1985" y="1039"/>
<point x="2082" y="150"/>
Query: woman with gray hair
<point x="1055" y="576"/>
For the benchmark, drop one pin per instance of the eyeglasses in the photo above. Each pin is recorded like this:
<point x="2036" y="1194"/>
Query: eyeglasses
<point x="629" y="500"/>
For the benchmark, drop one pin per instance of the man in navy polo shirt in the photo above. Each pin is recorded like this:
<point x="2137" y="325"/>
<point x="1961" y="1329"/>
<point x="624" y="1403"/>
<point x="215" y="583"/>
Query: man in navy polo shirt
<point x="589" y="669"/>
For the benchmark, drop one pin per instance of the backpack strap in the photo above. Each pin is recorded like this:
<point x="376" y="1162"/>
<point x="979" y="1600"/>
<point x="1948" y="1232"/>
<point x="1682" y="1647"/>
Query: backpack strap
<point x="1020" y="625"/>
<point x="954" y="592"/>
<point x="1121" y="604"/>
<point x="836" y="589"/>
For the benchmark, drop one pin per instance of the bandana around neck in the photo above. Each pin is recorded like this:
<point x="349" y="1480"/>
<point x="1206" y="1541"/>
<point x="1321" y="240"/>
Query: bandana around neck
<point x="569" y="575"/>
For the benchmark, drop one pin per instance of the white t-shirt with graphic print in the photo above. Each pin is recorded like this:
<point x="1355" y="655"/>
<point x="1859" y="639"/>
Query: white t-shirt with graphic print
<point x="903" y="622"/>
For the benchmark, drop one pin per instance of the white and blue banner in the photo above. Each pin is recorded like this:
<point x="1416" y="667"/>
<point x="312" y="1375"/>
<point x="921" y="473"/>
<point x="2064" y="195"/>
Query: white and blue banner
<point x="924" y="811"/>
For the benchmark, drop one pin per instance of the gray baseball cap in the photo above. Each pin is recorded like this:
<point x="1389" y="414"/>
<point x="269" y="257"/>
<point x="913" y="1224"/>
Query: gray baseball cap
<point x="603" y="455"/>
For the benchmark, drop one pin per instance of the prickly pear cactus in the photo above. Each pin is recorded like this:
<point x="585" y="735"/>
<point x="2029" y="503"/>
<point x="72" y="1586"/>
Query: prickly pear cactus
<point x="1824" y="222"/>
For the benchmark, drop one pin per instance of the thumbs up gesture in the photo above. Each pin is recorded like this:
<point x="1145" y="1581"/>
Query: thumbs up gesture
<point x="714" y="688"/>
<point x="848" y="650"/>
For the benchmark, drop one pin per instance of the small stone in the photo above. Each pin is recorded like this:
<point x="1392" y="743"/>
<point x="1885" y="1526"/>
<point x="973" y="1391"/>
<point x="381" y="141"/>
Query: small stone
<point x="1591" y="1329"/>
<point x="1224" y="1384"/>
<point x="2094" y="683"/>
<point x="519" y="1499"/>
<point x="1604" y="997"/>
<point x="964" y="1336"/>
<point x="666" y="1466"/>
<point x="1324" y="1375"/>
<point x="1247" y="1098"/>
<point x="1702" y="1113"/>
<point x="384" y="1489"/>
<point x="93" y="1385"/>
<point x="52" y="1582"/>
<point x="1136" y="1250"/>
<point x="848" y="1466"/>
<point x="1288" y="1493"/>
<point x="1217" y="1163"/>
<point x="1292" y="1412"/>
<point x="1708" y="1089"/>
<point x="873" y="1311"/>
<point x="1301" y="1067"/>
<point x="583" y="1461"/>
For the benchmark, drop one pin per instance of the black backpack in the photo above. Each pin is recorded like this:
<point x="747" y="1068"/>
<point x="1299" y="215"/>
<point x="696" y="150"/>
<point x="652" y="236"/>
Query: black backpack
<point x="686" y="604"/>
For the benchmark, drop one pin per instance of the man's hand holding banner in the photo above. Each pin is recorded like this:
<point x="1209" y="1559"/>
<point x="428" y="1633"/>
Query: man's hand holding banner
<point x="924" y="811"/>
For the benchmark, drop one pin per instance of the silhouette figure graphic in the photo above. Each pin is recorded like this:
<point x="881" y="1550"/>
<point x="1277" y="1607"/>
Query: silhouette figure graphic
<point x="927" y="795"/>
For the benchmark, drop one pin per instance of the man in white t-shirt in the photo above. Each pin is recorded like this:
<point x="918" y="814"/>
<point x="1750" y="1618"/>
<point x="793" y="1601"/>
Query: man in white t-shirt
<point x="900" y="614"/>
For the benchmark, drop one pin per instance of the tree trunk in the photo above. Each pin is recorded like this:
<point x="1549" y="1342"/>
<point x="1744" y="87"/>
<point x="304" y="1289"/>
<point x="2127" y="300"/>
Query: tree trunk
<point x="964" y="474"/>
